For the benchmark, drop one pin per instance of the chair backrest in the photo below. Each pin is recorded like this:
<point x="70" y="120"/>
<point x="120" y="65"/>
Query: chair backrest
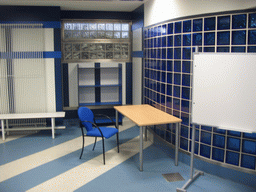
<point x="85" y="114"/>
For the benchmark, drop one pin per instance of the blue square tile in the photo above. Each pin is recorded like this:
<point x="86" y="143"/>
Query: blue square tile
<point x="233" y="144"/>
<point x="238" y="37"/>
<point x="232" y="158"/>
<point x="209" y="38"/>
<point x="169" y="90"/>
<point x="185" y="106"/>
<point x="178" y="27"/>
<point x="162" y="101"/>
<point x="205" y="151"/>
<point x="251" y="49"/>
<point x="185" y="93"/>
<point x="177" y="66"/>
<point x="163" y="65"/>
<point x="184" y="143"/>
<point x="222" y="49"/>
<point x="195" y="148"/>
<point x="177" y="79"/>
<point x="163" y="53"/>
<point x="223" y="22"/>
<point x="197" y="39"/>
<point x="218" y="141"/>
<point x="234" y="133"/>
<point x="158" y="53"/>
<point x="187" y="40"/>
<point x="186" y="53"/>
<point x="186" y="66"/>
<point x="239" y="21"/>
<point x="163" y="41"/>
<point x="209" y="49"/>
<point x="169" y="101"/>
<point x="221" y="131"/>
<point x="186" y="80"/>
<point x="238" y="49"/>
<point x="177" y="53"/>
<point x="170" y="53"/>
<point x="251" y="37"/>
<point x="155" y="31"/>
<point x="177" y="40"/>
<point x="206" y="137"/>
<point x="176" y="91"/>
<point x="170" y="41"/>
<point x="209" y="23"/>
<point x="187" y="26"/>
<point x="184" y="131"/>
<point x="169" y="78"/>
<point x="218" y="154"/>
<point x="169" y="66"/>
<point x="249" y="147"/>
<point x="206" y="128"/>
<point x="197" y="24"/>
<point x="185" y="118"/>
<point x="164" y="31"/>
<point x="248" y="162"/>
<point x="176" y="104"/>
<point x="223" y="38"/>
<point x="252" y="20"/>
<point x="249" y="135"/>
<point x="163" y="78"/>
<point x="170" y="28"/>
<point x="159" y="42"/>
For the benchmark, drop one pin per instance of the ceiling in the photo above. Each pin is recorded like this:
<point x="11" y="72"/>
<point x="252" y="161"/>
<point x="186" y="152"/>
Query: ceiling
<point x="81" y="5"/>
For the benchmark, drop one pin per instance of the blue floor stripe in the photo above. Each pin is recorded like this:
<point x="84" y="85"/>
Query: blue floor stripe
<point x="126" y="177"/>
<point x="22" y="147"/>
<point x="49" y="170"/>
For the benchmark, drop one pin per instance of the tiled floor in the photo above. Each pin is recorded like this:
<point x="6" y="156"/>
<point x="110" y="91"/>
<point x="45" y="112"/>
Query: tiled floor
<point x="37" y="162"/>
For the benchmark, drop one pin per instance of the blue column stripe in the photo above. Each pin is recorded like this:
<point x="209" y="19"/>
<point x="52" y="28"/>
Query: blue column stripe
<point x="46" y="24"/>
<point x="137" y="54"/>
<point x="29" y="55"/>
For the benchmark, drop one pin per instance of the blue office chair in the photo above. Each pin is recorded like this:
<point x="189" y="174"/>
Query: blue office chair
<point x="88" y="122"/>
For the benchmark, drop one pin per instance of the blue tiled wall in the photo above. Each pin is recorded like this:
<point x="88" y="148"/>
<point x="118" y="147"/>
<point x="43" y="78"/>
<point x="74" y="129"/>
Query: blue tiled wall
<point x="168" y="51"/>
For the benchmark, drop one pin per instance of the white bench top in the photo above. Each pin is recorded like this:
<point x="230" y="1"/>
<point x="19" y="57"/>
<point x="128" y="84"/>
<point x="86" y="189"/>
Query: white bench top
<point x="32" y="115"/>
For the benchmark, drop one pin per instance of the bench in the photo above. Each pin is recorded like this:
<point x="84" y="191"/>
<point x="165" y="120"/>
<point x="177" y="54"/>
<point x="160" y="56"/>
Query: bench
<point x="52" y="115"/>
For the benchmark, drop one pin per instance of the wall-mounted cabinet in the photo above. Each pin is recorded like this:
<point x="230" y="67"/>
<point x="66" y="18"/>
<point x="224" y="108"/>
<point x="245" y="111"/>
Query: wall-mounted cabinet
<point x="99" y="84"/>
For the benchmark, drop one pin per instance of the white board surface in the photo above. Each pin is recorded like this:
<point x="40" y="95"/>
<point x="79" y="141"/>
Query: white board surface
<point x="224" y="91"/>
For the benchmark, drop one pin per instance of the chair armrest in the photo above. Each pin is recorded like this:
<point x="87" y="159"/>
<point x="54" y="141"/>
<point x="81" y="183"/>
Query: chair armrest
<point x="102" y="115"/>
<point x="81" y="125"/>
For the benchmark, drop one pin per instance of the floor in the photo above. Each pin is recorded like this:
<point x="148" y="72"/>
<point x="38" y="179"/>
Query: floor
<point x="36" y="162"/>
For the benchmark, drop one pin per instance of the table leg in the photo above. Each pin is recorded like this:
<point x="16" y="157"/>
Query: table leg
<point x="141" y="148"/>
<point x="117" y="119"/>
<point x="177" y="144"/>
<point x="7" y="127"/>
<point x="146" y="134"/>
<point x="3" y="134"/>
<point x="53" y="127"/>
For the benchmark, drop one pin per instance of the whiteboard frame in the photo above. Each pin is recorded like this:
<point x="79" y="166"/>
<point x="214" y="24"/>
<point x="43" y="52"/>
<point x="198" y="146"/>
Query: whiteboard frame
<point x="224" y="91"/>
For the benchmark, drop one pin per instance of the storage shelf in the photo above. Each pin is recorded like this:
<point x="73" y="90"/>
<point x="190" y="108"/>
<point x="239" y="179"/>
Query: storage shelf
<point x="100" y="103"/>
<point x="99" y="84"/>
<point x="114" y="85"/>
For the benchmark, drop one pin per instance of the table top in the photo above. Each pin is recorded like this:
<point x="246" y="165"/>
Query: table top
<point x="146" y="115"/>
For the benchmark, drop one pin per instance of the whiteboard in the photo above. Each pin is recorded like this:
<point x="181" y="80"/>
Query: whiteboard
<point x="224" y="91"/>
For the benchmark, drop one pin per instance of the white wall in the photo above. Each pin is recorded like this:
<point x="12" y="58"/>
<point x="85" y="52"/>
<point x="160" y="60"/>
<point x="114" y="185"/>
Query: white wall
<point x="156" y="11"/>
<point x="137" y="68"/>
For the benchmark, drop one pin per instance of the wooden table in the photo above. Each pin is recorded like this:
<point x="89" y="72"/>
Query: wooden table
<point x="147" y="115"/>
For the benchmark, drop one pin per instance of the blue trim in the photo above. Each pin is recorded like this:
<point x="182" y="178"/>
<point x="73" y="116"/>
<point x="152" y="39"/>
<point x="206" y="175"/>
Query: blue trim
<point x="65" y="85"/>
<point x="46" y="24"/>
<point x="137" y="54"/>
<point x="128" y="83"/>
<point x="30" y="55"/>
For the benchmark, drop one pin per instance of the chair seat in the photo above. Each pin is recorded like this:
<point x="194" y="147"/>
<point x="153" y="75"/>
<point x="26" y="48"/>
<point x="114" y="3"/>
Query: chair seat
<point x="106" y="131"/>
